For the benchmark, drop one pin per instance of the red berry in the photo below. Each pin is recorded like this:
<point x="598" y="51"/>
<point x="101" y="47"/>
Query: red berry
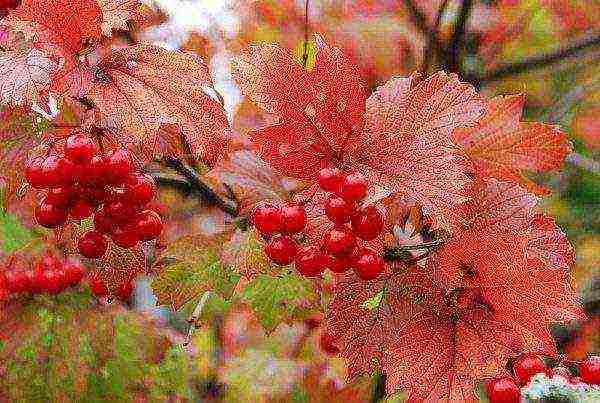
<point x="94" y="195"/>
<point x="503" y="390"/>
<point x="32" y="281"/>
<point x="589" y="370"/>
<point x="103" y="223"/>
<point x="92" y="245"/>
<point x="314" y="321"/>
<point x="125" y="237"/>
<point x="281" y="250"/>
<point x="140" y="189"/>
<point x="17" y="280"/>
<point x="354" y="187"/>
<point x="159" y="208"/>
<point x="326" y="341"/>
<point x="118" y="165"/>
<point x="339" y="241"/>
<point x="50" y="216"/>
<point x="368" y="223"/>
<point x="311" y="262"/>
<point x="53" y="281"/>
<point x="34" y="174"/>
<point x="60" y="197"/>
<point x="58" y="171"/>
<point x="293" y="219"/>
<point x="80" y="149"/>
<point x="97" y="287"/>
<point x="368" y="265"/>
<point x="330" y="179"/>
<point x="124" y="291"/>
<point x="148" y="225"/>
<point x="120" y="210"/>
<point x="527" y="365"/>
<point x="341" y="264"/>
<point x="267" y="219"/>
<point x="94" y="173"/>
<point x="81" y="210"/>
<point x="74" y="272"/>
<point x="339" y="210"/>
<point x="49" y="262"/>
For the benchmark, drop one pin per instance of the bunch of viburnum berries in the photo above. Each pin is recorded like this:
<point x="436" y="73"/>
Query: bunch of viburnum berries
<point x="123" y="292"/>
<point x="48" y="276"/>
<point x="339" y="250"/>
<point x="82" y="182"/>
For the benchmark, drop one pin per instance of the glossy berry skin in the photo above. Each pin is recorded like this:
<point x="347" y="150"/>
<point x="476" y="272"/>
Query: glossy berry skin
<point x="53" y="281"/>
<point x="368" y="223"/>
<point x="118" y="166"/>
<point x="526" y="366"/>
<point x="74" y="272"/>
<point x="60" y="197"/>
<point x="125" y="291"/>
<point x="140" y="189"/>
<point x="339" y="210"/>
<point x="341" y="264"/>
<point x="354" y="187"/>
<point x="503" y="390"/>
<point x="311" y="262"/>
<point x="589" y="370"/>
<point x="97" y="287"/>
<point x="81" y="210"/>
<point x="58" y="171"/>
<point x="17" y="281"/>
<point x="120" y="210"/>
<point x="34" y="174"/>
<point x="94" y="173"/>
<point x="368" y="265"/>
<point x="80" y="149"/>
<point x="339" y="241"/>
<point x="293" y="219"/>
<point x="267" y="219"/>
<point x="327" y="344"/>
<point x="148" y="225"/>
<point x="125" y="237"/>
<point x="281" y="250"/>
<point x="92" y="245"/>
<point x="330" y="179"/>
<point x="50" y="216"/>
<point x="103" y="223"/>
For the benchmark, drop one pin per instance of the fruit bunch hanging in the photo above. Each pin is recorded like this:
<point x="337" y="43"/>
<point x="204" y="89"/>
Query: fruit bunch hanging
<point x="48" y="276"/>
<point x="340" y="248"/>
<point x="82" y="182"/>
<point x="123" y="292"/>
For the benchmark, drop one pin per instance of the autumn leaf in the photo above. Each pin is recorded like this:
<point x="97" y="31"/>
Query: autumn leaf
<point x="280" y="299"/>
<point x="245" y="254"/>
<point x="116" y="13"/>
<point x="503" y="147"/>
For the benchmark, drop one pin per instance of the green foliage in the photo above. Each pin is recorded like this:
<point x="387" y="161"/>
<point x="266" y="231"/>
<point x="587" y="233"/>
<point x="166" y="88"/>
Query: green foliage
<point x="13" y="235"/>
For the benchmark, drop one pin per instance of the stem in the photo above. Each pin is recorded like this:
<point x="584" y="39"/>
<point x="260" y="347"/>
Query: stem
<point x="378" y="388"/>
<point x="534" y="62"/>
<point x="402" y="252"/>
<point x="195" y="181"/>
<point x="305" y="54"/>
<point x="193" y="319"/>
<point x="456" y="42"/>
<point x="173" y="182"/>
<point x="433" y="35"/>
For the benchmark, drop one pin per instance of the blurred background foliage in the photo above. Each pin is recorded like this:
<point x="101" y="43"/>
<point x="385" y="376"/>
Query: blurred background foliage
<point x="73" y="348"/>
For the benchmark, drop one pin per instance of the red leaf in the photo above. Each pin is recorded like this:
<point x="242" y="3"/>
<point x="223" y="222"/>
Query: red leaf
<point x="116" y="13"/>
<point x="502" y="146"/>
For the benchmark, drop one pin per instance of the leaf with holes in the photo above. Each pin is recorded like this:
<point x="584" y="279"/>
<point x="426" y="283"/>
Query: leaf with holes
<point x="280" y="299"/>
<point x="501" y="146"/>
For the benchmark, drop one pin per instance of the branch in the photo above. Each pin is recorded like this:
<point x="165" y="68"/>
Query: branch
<point x="402" y="253"/>
<point x="534" y="62"/>
<point x="433" y="38"/>
<point x="458" y="36"/>
<point x="419" y="19"/>
<point x="195" y="181"/>
<point x="173" y="182"/>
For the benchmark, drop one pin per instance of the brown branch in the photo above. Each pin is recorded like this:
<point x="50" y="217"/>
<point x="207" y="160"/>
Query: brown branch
<point x="420" y="21"/>
<point x="433" y="39"/>
<point x="305" y="53"/>
<point x="455" y="48"/>
<point x="538" y="61"/>
<point x="402" y="253"/>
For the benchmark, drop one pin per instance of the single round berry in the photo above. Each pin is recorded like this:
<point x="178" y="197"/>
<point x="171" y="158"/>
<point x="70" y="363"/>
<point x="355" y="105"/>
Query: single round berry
<point x="124" y="291"/>
<point x="293" y="219"/>
<point x="140" y="189"/>
<point x="527" y="365"/>
<point x="32" y="281"/>
<point x="119" y="166"/>
<point x="74" y="272"/>
<point x="92" y="245"/>
<point x="281" y="250"/>
<point x="81" y="210"/>
<point x="94" y="173"/>
<point x="311" y="262"/>
<point x="267" y="219"/>
<point x="58" y="171"/>
<point x="368" y="223"/>
<point x="589" y="370"/>
<point x="97" y="287"/>
<point x="339" y="210"/>
<point x="60" y="197"/>
<point x="368" y="265"/>
<point x="80" y="149"/>
<point x="53" y="281"/>
<point x="503" y="390"/>
<point x="50" y="216"/>
<point x="330" y="179"/>
<point x="103" y="223"/>
<point x="341" y="264"/>
<point x="327" y="344"/>
<point x="120" y="210"/>
<point x="34" y="173"/>
<point x="125" y="237"/>
<point x="94" y="195"/>
<point x="17" y="280"/>
<point x="148" y="225"/>
<point x="354" y="187"/>
<point x="339" y="241"/>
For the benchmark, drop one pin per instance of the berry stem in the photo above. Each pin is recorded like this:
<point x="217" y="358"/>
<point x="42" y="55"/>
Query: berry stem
<point x="195" y="181"/>
<point x="402" y="252"/>
<point x="193" y="319"/>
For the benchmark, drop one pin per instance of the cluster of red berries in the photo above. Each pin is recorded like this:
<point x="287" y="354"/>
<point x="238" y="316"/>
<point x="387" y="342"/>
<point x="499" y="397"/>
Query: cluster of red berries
<point x="507" y="389"/>
<point x="339" y="251"/>
<point x="48" y="276"/>
<point x="123" y="291"/>
<point x="83" y="182"/>
<point x="7" y="5"/>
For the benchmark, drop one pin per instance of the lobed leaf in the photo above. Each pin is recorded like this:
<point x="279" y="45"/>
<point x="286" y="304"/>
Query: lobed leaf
<point x="116" y="13"/>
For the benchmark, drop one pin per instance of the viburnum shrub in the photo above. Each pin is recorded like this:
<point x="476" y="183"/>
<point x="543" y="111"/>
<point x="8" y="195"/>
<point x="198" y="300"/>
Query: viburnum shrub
<point x="320" y="202"/>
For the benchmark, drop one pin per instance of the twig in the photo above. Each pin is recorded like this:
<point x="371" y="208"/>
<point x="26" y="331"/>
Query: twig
<point x="305" y="54"/>
<point x="454" y="61"/>
<point x="378" y="388"/>
<point x="173" y="182"/>
<point x="207" y="193"/>
<point x="402" y="253"/>
<point x="534" y="62"/>
<point x="420" y="21"/>
<point x="195" y="316"/>
<point x="433" y="38"/>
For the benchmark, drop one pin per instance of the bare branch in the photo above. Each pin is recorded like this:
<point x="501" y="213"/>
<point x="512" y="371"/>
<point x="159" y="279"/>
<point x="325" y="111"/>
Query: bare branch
<point x="455" y="48"/>
<point x="434" y="45"/>
<point x="433" y="39"/>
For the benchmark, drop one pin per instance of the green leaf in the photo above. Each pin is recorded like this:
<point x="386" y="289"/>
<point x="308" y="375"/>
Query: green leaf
<point x="13" y="235"/>
<point x="373" y="302"/>
<point x="280" y="299"/>
<point x="245" y="254"/>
